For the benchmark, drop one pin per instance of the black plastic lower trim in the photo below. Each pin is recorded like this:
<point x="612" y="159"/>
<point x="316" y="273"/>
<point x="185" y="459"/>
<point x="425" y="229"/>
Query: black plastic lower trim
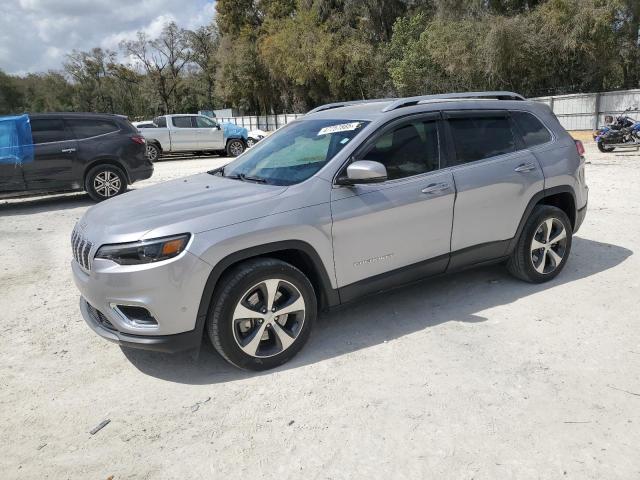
<point x="395" y="278"/>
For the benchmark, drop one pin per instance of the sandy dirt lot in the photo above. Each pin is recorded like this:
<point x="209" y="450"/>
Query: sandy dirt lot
<point x="471" y="376"/>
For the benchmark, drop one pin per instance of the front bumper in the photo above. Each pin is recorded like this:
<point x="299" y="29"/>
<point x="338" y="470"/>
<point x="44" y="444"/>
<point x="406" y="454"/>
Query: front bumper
<point x="170" y="291"/>
<point x="158" y="343"/>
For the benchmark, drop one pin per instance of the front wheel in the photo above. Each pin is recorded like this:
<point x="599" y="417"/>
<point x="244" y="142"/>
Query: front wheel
<point x="543" y="247"/>
<point x="251" y="142"/>
<point x="235" y="147"/>
<point x="262" y="314"/>
<point x="105" y="181"/>
<point x="604" y="148"/>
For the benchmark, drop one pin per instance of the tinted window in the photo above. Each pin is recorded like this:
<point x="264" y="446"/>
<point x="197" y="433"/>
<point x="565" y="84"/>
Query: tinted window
<point x="481" y="137"/>
<point x="182" y="122"/>
<point x="146" y="125"/>
<point x="532" y="130"/>
<point x="161" y="122"/>
<point x="409" y="149"/>
<point x="49" y="130"/>
<point x="91" y="128"/>
<point x="204" y="122"/>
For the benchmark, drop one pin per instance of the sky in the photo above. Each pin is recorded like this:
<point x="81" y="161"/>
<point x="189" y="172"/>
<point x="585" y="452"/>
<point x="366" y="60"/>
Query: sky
<point x="35" y="35"/>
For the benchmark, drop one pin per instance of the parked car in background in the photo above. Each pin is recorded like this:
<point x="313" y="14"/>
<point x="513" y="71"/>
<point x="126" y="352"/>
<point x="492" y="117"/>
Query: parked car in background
<point x="193" y="133"/>
<point x="254" y="136"/>
<point x="144" y="124"/>
<point x="99" y="153"/>
<point x="351" y="199"/>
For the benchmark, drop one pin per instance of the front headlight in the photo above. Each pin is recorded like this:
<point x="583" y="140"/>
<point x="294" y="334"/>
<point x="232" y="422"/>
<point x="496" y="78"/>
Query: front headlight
<point x="146" y="251"/>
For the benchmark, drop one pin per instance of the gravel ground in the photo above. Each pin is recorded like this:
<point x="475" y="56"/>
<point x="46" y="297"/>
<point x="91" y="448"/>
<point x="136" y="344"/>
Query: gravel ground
<point x="474" y="375"/>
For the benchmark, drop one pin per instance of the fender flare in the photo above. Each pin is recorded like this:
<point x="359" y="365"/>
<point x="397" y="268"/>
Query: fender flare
<point x="547" y="192"/>
<point x="328" y="295"/>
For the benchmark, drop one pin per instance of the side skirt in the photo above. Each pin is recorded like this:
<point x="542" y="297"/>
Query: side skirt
<point x="480" y="255"/>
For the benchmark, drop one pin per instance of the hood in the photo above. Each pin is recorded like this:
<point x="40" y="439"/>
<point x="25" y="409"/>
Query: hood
<point x="231" y="130"/>
<point x="192" y="204"/>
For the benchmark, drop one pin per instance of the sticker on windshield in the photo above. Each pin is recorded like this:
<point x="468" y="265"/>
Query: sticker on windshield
<point x="343" y="127"/>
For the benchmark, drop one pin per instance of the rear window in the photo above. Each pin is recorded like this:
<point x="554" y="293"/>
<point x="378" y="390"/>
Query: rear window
<point x="49" y="130"/>
<point x="181" y="122"/>
<point x="83" y="128"/>
<point x="161" y="122"/>
<point x="532" y="130"/>
<point x="481" y="137"/>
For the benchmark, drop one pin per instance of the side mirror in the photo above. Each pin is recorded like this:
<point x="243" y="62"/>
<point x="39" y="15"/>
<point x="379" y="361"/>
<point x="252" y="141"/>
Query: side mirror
<point x="364" y="171"/>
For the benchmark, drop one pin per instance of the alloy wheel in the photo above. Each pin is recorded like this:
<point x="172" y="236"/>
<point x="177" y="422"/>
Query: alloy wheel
<point x="107" y="183"/>
<point x="236" y="148"/>
<point x="152" y="152"/>
<point x="268" y="318"/>
<point x="548" y="246"/>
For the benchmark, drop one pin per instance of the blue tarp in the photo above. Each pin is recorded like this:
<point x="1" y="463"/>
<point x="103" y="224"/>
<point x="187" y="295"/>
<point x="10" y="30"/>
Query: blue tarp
<point x="231" y="130"/>
<point x="16" y="142"/>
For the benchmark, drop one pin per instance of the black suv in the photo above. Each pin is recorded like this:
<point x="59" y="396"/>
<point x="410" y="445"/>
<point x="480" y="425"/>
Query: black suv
<point x="99" y="153"/>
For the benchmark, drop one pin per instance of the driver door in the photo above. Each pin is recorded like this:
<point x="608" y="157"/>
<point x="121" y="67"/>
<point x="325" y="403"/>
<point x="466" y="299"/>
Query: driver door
<point x="389" y="227"/>
<point x="210" y="135"/>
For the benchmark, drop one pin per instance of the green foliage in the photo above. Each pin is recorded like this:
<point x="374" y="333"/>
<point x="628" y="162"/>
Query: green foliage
<point x="263" y="56"/>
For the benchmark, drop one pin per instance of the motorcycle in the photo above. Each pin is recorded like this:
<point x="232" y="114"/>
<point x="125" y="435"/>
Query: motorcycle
<point x="623" y="132"/>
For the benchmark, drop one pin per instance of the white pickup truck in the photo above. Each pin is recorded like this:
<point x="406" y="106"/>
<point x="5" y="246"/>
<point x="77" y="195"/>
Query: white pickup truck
<point x="192" y="133"/>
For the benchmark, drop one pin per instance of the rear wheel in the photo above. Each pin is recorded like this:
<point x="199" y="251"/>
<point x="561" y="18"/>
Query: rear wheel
<point x="604" y="148"/>
<point x="105" y="181"/>
<point x="153" y="151"/>
<point x="262" y="314"/>
<point x="543" y="246"/>
<point x="235" y="147"/>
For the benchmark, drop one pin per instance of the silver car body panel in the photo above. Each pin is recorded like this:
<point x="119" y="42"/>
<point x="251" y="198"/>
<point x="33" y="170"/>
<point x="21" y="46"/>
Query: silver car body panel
<point x="357" y="232"/>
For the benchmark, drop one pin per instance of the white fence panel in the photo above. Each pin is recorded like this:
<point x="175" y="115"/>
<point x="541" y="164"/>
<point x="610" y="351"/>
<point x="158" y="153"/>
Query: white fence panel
<point x="581" y="111"/>
<point x="586" y="111"/>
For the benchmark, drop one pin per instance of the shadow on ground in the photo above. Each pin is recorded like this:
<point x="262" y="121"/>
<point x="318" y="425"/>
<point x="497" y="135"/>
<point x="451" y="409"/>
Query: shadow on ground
<point x="390" y="315"/>
<point x="51" y="203"/>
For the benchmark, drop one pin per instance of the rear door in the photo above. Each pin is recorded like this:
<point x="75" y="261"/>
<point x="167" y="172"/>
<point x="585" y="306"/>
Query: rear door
<point x="210" y="136"/>
<point x="54" y="155"/>
<point x="404" y="221"/>
<point x="185" y="137"/>
<point x="495" y="180"/>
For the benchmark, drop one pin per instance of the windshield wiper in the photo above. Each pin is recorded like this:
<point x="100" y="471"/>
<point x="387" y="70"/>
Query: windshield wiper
<point x="252" y="179"/>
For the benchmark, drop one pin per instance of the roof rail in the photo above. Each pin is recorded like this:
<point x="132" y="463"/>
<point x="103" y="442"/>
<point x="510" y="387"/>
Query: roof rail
<point x="410" y="101"/>
<point x="330" y="106"/>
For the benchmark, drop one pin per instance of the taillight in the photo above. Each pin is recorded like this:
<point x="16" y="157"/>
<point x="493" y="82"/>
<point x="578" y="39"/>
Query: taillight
<point x="579" y="147"/>
<point x="138" y="139"/>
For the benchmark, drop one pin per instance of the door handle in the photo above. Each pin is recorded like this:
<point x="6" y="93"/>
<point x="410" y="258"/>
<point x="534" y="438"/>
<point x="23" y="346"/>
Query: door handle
<point x="435" y="188"/>
<point x="68" y="150"/>
<point x="525" y="167"/>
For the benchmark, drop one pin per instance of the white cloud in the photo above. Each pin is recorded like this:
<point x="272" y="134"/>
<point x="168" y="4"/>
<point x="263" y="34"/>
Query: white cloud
<point x="36" y="34"/>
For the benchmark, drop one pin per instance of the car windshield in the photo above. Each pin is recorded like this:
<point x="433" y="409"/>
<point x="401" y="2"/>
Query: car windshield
<point x="295" y="152"/>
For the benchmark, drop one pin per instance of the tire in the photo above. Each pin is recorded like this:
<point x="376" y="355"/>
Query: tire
<point x="604" y="149"/>
<point x="244" y="291"/>
<point x="537" y="265"/>
<point x="105" y="181"/>
<point x="251" y="142"/>
<point x="235" y="147"/>
<point x="153" y="152"/>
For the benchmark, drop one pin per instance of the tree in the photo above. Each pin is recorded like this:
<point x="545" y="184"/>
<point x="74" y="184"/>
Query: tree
<point x="204" y="43"/>
<point x="163" y="60"/>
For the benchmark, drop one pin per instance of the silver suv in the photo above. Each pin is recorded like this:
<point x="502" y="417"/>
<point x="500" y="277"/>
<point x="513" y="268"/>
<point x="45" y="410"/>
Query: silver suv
<point x="349" y="200"/>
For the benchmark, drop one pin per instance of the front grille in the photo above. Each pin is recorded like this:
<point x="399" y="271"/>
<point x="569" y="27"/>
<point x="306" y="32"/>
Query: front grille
<point x="99" y="317"/>
<point x="81" y="248"/>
